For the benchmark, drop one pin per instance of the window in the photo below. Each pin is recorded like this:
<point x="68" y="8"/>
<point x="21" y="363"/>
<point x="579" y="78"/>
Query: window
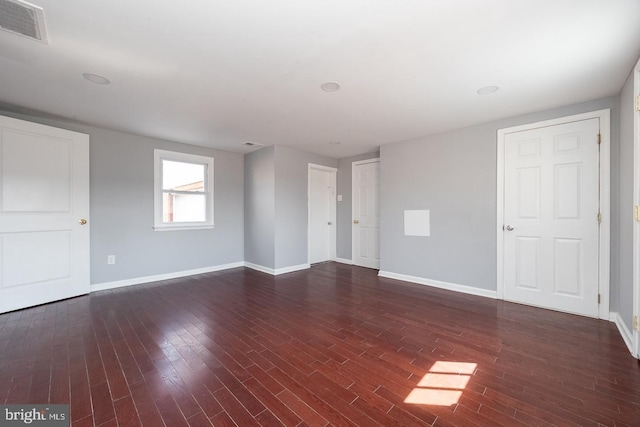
<point x="183" y="194"/>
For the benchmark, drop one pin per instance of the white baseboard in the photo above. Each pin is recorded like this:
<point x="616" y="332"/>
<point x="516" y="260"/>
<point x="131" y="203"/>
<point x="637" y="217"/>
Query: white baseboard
<point x="276" y="271"/>
<point x="260" y="268"/>
<point x="147" y="279"/>
<point x="626" y="334"/>
<point x="291" y="269"/>
<point x="343" y="261"/>
<point x="441" y="285"/>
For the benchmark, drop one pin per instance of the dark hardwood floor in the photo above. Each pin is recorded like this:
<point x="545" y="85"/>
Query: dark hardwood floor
<point x="333" y="345"/>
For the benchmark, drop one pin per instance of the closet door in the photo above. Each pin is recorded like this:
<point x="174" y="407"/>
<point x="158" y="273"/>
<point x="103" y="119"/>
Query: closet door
<point x="44" y="214"/>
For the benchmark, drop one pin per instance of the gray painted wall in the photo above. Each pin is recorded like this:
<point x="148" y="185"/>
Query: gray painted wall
<point x="291" y="209"/>
<point x="276" y="207"/>
<point x="453" y="174"/>
<point x="259" y="205"/>
<point x="343" y="215"/>
<point x="122" y="208"/>
<point x="624" y="267"/>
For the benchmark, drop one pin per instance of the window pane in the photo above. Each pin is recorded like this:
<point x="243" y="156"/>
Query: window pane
<point x="183" y="191"/>
<point x="183" y="208"/>
<point x="182" y="176"/>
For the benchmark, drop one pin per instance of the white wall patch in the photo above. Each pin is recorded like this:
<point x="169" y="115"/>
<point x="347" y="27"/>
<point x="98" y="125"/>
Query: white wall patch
<point x="416" y="223"/>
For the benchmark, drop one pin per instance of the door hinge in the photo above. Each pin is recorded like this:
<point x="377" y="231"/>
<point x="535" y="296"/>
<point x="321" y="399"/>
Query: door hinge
<point x="635" y="323"/>
<point x="599" y="298"/>
<point x="636" y="213"/>
<point x="638" y="103"/>
<point x="599" y="217"/>
<point x="599" y="138"/>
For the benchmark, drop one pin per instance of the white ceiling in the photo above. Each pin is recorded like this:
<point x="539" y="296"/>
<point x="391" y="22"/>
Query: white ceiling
<point x="218" y="73"/>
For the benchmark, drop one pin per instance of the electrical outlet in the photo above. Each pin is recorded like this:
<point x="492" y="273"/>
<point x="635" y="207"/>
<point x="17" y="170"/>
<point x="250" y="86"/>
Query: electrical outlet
<point x="111" y="259"/>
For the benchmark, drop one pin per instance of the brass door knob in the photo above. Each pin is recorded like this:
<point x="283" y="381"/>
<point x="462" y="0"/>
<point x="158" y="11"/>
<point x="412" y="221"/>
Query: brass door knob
<point x="82" y="221"/>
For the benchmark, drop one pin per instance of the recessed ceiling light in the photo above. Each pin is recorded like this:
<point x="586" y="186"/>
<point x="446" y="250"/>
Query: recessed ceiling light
<point x="330" y="86"/>
<point x="487" y="90"/>
<point x="97" y="79"/>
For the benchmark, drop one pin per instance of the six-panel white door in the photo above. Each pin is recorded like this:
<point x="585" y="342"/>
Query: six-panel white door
<point x="366" y="215"/>
<point x="551" y="217"/>
<point x="44" y="213"/>
<point x="322" y="213"/>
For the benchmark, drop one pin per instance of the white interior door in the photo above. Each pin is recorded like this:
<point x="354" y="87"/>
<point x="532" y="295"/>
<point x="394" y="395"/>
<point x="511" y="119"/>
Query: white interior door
<point x="366" y="213"/>
<point x="322" y="212"/>
<point x="44" y="201"/>
<point x="551" y="226"/>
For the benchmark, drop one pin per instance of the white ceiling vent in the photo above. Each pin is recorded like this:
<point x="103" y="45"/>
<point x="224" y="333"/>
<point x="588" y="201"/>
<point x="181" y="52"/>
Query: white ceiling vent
<point x="23" y="18"/>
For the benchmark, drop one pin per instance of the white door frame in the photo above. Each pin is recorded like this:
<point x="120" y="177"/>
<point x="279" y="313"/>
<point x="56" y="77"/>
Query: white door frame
<point x="604" y="232"/>
<point x="636" y="202"/>
<point x="353" y="202"/>
<point x="332" y="244"/>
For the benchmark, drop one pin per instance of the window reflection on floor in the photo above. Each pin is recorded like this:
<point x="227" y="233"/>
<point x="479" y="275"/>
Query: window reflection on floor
<point x="443" y="384"/>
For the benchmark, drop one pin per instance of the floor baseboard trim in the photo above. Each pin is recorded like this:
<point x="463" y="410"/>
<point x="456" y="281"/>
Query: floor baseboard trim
<point x="148" y="279"/>
<point x="276" y="271"/>
<point x="441" y="285"/>
<point x="343" y="261"/>
<point x="291" y="269"/>
<point x="260" y="268"/>
<point x="626" y="334"/>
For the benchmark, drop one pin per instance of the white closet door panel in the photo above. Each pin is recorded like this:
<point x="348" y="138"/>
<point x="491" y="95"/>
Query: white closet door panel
<point x="550" y="212"/>
<point x="44" y="214"/>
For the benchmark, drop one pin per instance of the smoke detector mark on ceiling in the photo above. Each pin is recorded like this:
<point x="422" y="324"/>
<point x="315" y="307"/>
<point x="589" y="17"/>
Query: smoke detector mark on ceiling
<point x="96" y="78"/>
<point x="252" y="144"/>
<point x="23" y="18"/>
<point x="330" y="86"/>
<point x="487" y="90"/>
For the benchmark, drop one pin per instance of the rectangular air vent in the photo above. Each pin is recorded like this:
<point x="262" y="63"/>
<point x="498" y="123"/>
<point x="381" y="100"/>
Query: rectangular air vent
<point x="23" y="18"/>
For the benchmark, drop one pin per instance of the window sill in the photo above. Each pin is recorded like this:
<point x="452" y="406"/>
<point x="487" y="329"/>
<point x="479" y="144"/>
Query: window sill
<point x="182" y="227"/>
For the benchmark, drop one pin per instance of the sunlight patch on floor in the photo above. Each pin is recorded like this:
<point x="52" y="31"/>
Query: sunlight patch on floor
<point x="443" y="384"/>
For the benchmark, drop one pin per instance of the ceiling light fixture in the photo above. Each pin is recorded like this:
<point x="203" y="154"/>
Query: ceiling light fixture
<point x="330" y="86"/>
<point x="487" y="90"/>
<point x="95" y="78"/>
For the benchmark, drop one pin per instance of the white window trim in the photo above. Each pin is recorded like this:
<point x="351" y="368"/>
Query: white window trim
<point x="159" y="156"/>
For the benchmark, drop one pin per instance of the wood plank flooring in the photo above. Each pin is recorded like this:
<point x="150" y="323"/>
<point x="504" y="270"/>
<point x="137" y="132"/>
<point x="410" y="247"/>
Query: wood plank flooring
<point x="332" y="345"/>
